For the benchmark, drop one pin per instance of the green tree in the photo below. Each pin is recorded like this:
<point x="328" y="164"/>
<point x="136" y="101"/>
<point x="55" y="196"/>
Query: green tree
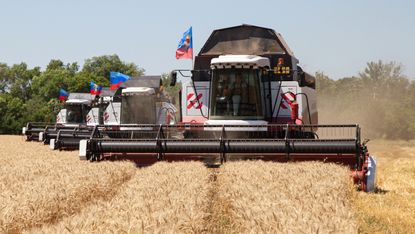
<point x="101" y="66"/>
<point x="47" y="84"/>
<point x="381" y="99"/>
<point x="37" y="110"/>
<point x="12" y="109"/>
<point x="384" y="80"/>
<point x="17" y="80"/>
<point x="31" y="95"/>
<point x="4" y="77"/>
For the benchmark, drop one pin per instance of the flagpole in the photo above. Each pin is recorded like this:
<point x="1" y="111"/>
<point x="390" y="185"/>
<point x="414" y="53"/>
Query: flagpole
<point x="193" y="65"/>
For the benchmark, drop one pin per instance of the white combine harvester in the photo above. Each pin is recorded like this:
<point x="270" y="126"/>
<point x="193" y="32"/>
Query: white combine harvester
<point x="72" y="115"/>
<point x="138" y="101"/>
<point x="247" y="99"/>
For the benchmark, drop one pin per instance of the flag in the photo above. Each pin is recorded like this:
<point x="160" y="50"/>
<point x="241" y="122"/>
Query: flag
<point x="185" y="47"/>
<point x="63" y="94"/>
<point x="117" y="78"/>
<point x="95" y="89"/>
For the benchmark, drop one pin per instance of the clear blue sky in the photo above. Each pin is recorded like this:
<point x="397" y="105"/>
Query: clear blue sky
<point x="336" y="37"/>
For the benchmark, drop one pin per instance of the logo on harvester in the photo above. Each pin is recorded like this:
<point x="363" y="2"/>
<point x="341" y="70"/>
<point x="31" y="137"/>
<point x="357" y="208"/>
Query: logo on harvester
<point x="194" y="101"/>
<point x="288" y="99"/>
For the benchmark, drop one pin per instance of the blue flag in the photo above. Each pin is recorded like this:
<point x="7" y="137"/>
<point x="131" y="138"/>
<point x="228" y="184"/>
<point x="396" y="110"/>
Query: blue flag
<point x="63" y="94"/>
<point x="116" y="79"/>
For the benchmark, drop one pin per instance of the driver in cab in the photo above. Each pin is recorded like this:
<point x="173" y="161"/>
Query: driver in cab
<point x="238" y="89"/>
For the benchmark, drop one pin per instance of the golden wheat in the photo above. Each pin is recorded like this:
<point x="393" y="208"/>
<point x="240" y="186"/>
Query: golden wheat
<point x="163" y="198"/>
<point x="53" y="192"/>
<point x="288" y="198"/>
<point x="39" y="186"/>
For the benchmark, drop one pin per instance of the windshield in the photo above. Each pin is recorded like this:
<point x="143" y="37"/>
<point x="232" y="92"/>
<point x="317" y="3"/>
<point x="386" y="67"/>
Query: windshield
<point x="236" y="94"/>
<point x="74" y="114"/>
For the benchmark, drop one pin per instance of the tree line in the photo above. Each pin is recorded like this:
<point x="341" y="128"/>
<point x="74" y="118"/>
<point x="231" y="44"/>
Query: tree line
<point x="29" y="94"/>
<point x="380" y="98"/>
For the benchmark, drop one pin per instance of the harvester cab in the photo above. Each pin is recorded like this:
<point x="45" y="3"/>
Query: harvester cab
<point x="96" y="114"/>
<point x="68" y="137"/>
<point x="137" y="101"/>
<point x="248" y="75"/>
<point x="140" y="100"/>
<point x="75" y="109"/>
<point x="247" y="99"/>
<point x="73" y="114"/>
<point x="71" y="117"/>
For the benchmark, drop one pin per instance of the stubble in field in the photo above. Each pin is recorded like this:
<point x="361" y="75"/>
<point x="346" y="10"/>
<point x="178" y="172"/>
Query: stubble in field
<point x="392" y="208"/>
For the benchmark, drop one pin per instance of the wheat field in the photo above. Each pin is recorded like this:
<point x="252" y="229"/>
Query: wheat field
<point x="44" y="191"/>
<point x="293" y="197"/>
<point x="163" y="198"/>
<point x="392" y="208"/>
<point x="39" y="186"/>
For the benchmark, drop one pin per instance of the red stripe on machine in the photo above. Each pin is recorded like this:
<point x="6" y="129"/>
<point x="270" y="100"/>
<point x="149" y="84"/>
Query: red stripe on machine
<point x="288" y="98"/>
<point x="106" y="116"/>
<point x="195" y="103"/>
<point x="283" y="106"/>
<point x="190" y="95"/>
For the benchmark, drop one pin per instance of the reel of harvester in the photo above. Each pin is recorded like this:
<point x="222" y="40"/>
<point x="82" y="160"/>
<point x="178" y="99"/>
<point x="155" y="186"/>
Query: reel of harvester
<point x="217" y="144"/>
<point x="69" y="138"/>
<point x="51" y="131"/>
<point x="33" y="129"/>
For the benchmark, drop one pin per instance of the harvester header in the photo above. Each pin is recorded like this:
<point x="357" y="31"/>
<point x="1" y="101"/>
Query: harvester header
<point x="248" y="98"/>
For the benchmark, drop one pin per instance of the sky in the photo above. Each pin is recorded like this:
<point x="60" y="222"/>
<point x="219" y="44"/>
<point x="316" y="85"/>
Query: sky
<point x="334" y="37"/>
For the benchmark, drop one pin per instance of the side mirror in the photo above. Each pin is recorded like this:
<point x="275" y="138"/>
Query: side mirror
<point x="173" y="78"/>
<point x="301" y="80"/>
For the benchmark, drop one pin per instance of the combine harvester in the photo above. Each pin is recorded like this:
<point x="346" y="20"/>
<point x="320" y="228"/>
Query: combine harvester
<point x="70" y="117"/>
<point x="73" y="117"/>
<point x="137" y="101"/>
<point x="247" y="99"/>
<point x="67" y="134"/>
